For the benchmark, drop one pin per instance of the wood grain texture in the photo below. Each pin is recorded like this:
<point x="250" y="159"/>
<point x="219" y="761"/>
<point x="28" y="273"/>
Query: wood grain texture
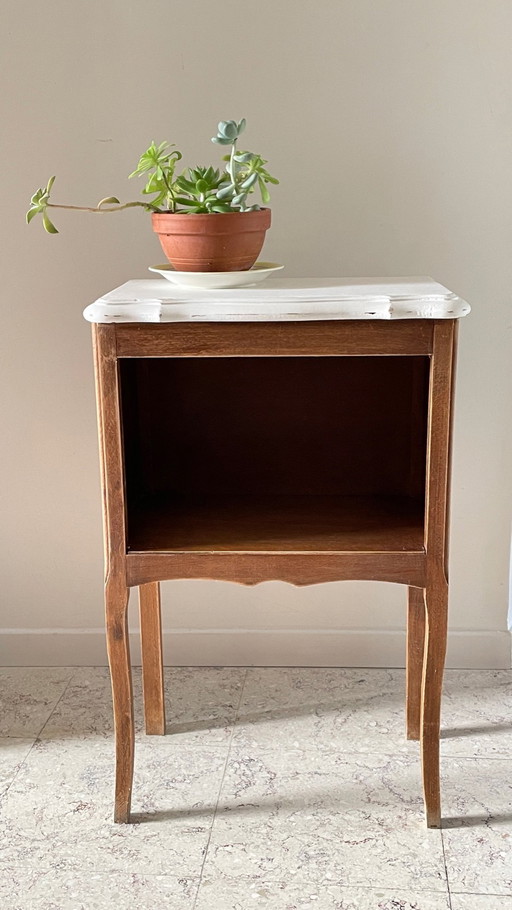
<point x="439" y="444"/>
<point x="297" y="569"/>
<point x="436" y="536"/>
<point x="278" y="524"/>
<point x="414" y="662"/>
<point x="116" y="589"/>
<point x="305" y="339"/>
<point x="152" y="658"/>
<point x="111" y="446"/>
<point x="310" y="538"/>
<point x="118" y="648"/>
<point x="436" y="610"/>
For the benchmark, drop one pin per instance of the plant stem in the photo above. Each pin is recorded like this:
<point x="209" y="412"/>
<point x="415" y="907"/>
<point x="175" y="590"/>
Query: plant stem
<point x="87" y="208"/>
<point x="232" y="166"/>
<point x="170" y="195"/>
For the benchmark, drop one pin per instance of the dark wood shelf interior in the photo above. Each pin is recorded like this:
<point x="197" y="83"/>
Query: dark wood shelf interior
<point x="279" y="524"/>
<point x="275" y="454"/>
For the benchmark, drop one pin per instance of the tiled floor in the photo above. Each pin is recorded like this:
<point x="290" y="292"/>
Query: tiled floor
<point x="282" y="789"/>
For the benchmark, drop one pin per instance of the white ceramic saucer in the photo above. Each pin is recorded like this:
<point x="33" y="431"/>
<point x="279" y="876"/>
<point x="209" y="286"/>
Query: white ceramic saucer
<point x="212" y="280"/>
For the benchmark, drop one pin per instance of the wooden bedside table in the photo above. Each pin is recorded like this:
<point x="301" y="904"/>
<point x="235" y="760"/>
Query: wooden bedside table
<point x="298" y="431"/>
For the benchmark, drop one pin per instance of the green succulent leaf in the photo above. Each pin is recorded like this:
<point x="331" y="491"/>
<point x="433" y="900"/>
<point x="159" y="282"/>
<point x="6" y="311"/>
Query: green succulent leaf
<point x="265" y="195"/>
<point x="220" y="207"/>
<point x="40" y="196"/>
<point x="48" y="225"/>
<point x="239" y="199"/>
<point x="228" y="128"/>
<point x="249" y="181"/>
<point x="156" y="156"/>
<point x="38" y="204"/>
<point x="184" y="200"/>
<point x="222" y="140"/>
<point x="243" y="157"/>
<point x="226" y="191"/>
<point x="109" y="200"/>
<point x="183" y="184"/>
<point x="32" y="213"/>
<point x="154" y="184"/>
<point x="159" y="163"/>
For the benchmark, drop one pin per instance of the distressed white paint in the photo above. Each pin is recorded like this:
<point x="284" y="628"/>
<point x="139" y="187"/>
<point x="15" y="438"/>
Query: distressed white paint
<point x="280" y="299"/>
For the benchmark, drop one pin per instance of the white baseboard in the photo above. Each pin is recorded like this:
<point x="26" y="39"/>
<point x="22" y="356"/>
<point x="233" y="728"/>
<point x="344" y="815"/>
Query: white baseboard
<point x="273" y="648"/>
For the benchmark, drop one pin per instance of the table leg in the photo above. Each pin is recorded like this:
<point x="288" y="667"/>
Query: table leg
<point x="152" y="659"/>
<point x="116" y="603"/>
<point x="436" y="609"/>
<point x="415" y="649"/>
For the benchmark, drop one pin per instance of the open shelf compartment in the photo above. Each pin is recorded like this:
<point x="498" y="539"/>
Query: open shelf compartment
<point x="275" y="454"/>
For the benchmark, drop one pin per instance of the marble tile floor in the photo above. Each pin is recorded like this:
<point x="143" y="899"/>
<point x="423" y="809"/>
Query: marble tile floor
<point x="283" y="789"/>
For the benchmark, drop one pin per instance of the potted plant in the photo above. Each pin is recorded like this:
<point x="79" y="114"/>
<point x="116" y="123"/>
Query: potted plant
<point x="203" y="217"/>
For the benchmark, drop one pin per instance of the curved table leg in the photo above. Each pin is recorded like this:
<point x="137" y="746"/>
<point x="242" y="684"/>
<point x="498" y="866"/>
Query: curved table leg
<point x="415" y="649"/>
<point x="116" y="604"/>
<point x="436" y="609"/>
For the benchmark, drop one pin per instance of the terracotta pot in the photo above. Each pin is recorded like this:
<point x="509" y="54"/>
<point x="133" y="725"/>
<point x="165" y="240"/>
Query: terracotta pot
<point x="228" y="242"/>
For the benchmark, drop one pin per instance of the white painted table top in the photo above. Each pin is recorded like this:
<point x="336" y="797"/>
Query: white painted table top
<point x="279" y="299"/>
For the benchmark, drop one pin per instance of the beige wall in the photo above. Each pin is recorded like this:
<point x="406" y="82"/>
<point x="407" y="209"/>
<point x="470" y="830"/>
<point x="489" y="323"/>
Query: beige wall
<point x="389" y="123"/>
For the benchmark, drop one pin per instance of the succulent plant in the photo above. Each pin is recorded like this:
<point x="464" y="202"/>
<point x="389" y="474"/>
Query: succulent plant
<point x="199" y="190"/>
<point x="228" y="131"/>
<point x="161" y="166"/>
<point x="244" y="169"/>
<point x="196" y="190"/>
